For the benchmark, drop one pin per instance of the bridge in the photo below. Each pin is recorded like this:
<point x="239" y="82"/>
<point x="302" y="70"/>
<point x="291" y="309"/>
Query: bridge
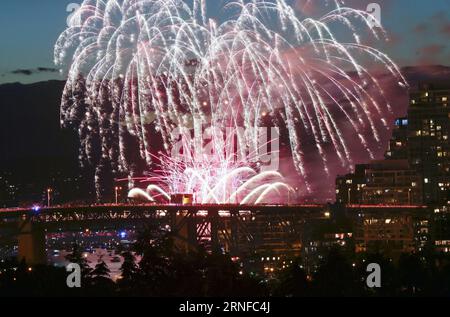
<point x="236" y="229"/>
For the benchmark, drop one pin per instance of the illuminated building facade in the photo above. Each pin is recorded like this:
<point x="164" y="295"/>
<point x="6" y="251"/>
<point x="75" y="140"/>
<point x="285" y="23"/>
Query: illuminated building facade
<point x="387" y="182"/>
<point x="417" y="165"/>
<point x="441" y="230"/>
<point x="322" y="235"/>
<point x="397" y="148"/>
<point x="391" y="182"/>
<point x="348" y="187"/>
<point x="388" y="234"/>
<point x="428" y="140"/>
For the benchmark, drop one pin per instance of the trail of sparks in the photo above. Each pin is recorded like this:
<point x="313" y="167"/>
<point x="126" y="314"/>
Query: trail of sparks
<point x="138" y="69"/>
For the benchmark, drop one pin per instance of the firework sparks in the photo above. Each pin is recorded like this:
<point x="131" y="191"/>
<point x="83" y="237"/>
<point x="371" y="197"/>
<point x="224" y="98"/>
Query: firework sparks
<point x="139" y="69"/>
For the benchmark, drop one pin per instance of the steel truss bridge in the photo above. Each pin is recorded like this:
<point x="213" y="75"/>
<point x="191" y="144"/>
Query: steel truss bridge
<point x="239" y="230"/>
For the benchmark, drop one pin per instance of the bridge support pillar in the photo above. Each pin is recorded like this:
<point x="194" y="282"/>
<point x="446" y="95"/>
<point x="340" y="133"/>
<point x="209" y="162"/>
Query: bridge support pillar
<point x="185" y="227"/>
<point x="234" y="232"/>
<point x="192" y="236"/>
<point x="31" y="244"/>
<point x="214" y="219"/>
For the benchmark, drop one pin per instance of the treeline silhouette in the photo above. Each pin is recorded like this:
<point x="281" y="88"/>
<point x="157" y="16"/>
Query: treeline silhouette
<point x="165" y="271"/>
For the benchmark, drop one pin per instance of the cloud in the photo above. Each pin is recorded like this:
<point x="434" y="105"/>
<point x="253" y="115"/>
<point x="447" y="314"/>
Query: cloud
<point x="29" y="72"/>
<point x="47" y="70"/>
<point x="429" y="54"/>
<point x="431" y="39"/>
<point x="442" y="23"/>
<point x="420" y="28"/>
<point x="445" y="29"/>
<point x="432" y="49"/>
<point x="26" y="72"/>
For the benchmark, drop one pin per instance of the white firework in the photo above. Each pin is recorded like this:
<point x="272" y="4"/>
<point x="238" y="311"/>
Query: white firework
<point x="138" y="69"/>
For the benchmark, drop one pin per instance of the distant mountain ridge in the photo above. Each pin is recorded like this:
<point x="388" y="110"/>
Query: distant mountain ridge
<point x="427" y="73"/>
<point x="30" y="125"/>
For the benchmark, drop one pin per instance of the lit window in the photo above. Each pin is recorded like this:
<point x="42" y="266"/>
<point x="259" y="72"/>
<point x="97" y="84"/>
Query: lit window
<point x="426" y="180"/>
<point x="444" y="99"/>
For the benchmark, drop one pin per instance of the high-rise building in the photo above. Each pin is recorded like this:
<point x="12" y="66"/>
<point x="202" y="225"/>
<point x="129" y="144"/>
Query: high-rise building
<point x="397" y="148"/>
<point x="428" y="140"/>
<point x="422" y="139"/>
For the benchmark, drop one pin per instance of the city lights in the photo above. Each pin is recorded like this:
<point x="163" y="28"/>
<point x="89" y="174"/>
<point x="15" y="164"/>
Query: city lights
<point x="242" y="154"/>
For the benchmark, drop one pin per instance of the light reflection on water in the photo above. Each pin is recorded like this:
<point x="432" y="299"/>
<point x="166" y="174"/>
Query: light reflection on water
<point x="113" y="260"/>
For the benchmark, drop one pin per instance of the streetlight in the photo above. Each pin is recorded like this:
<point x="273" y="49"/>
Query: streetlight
<point x="349" y="196"/>
<point x="49" y="192"/>
<point x="117" y="193"/>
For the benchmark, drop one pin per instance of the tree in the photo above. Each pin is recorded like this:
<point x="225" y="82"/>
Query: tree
<point x="86" y="279"/>
<point x="129" y="269"/>
<point x="336" y="277"/>
<point x="292" y="281"/>
<point x="412" y="274"/>
<point x="77" y="257"/>
<point x="101" y="271"/>
<point x="129" y="272"/>
<point x="157" y="252"/>
<point x="101" y="283"/>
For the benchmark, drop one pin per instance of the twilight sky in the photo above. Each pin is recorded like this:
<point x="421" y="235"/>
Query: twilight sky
<point x="419" y="30"/>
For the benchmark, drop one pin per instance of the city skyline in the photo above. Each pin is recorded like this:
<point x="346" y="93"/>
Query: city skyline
<point x="209" y="149"/>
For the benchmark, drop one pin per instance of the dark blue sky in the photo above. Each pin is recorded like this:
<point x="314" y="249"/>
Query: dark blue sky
<point x="420" y="31"/>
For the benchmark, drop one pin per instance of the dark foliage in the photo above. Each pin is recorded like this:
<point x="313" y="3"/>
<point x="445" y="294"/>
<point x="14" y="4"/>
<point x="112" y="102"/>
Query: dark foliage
<point x="164" y="270"/>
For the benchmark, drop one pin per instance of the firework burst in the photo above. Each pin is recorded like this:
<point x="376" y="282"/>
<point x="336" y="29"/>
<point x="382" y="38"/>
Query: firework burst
<point x="138" y="69"/>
